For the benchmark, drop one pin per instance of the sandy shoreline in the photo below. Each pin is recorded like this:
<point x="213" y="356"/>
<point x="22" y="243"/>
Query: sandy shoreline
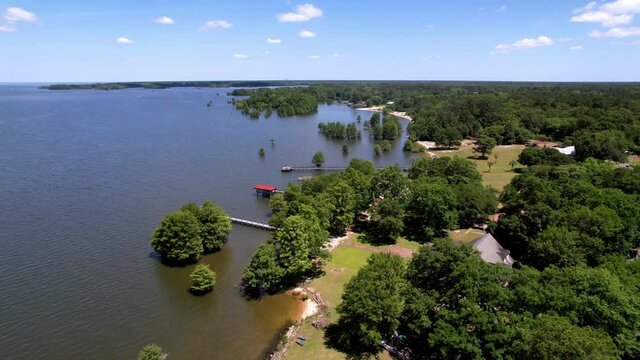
<point x="400" y="114"/>
<point x="309" y="307"/>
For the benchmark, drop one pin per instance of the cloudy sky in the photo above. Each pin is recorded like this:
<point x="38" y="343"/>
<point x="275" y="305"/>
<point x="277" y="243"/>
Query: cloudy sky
<point x="125" y="40"/>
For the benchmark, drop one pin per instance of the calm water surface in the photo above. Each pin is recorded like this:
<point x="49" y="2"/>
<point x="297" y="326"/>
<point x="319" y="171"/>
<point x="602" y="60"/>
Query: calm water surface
<point x="85" y="177"/>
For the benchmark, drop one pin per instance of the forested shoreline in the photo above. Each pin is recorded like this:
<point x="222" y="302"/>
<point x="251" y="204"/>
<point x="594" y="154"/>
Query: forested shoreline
<point x="601" y="119"/>
<point x="573" y="228"/>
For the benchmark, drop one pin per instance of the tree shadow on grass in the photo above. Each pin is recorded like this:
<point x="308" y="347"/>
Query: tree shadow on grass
<point x="337" y="337"/>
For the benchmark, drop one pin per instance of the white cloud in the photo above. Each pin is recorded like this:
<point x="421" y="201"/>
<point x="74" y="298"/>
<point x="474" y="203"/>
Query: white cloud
<point x="164" y="20"/>
<point x="7" y="28"/>
<point x="339" y="55"/>
<point x="526" y="43"/>
<point x="216" y="24"/>
<point x="124" y="41"/>
<point x="590" y="6"/>
<point x="274" y="41"/>
<point x="616" y="32"/>
<point x="576" y="47"/>
<point x="430" y="26"/>
<point x="314" y="57"/>
<point x="604" y="18"/>
<point x="622" y="6"/>
<point x="304" y="12"/>
<point x="307" y="34"/>
<point x="16" y="14"/>
<point x="241" y="56"/>
<point x="609" y="14"/>
<point x="502" y="8"/>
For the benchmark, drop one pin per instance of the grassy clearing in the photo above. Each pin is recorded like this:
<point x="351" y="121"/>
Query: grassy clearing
<point x="500" y="174"/>
<point x="465" y="235"/>
<point x="409" y="244"/>
<point x="344" y="264"/>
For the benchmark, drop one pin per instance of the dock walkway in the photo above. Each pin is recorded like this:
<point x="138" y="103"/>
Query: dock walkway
<point x="325" y="168"/>
<point x="254" y="224"/>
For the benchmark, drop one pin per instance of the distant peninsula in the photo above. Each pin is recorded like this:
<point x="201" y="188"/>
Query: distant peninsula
<point x="169" y="84"/>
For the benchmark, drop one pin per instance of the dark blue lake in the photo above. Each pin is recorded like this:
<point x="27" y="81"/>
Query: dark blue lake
<point x="85" y="177"/>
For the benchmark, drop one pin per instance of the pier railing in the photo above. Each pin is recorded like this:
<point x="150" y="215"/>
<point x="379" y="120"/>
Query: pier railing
<point x="251" y="223"/>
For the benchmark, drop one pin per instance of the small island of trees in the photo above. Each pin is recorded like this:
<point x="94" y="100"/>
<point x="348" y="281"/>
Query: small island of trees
<point x="185" y="235"/>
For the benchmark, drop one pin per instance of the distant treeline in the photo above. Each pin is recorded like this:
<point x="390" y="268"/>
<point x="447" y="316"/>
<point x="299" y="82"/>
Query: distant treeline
<point x="284" y="101"/>
<point x="601" y="119"/>
<point x="167" y="85"/>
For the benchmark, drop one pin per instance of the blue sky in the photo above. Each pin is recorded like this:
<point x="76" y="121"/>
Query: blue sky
<point x="118" y="40"/>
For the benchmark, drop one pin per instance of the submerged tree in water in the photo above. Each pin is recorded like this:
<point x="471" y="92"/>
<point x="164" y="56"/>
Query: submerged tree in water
<point x="151" y="352"/>
<point x="202" y="279"/>
<point x="318" y="159"/>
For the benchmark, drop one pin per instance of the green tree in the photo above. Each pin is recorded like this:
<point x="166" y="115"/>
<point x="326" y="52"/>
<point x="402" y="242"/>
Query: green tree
<point x="360" y="183"/>
<point x="202" y="279"/>
<point x="554" y="337"/>
<point x="263" y="272"/>
<point x="377" y="149"/>
<point x="151" y="352"/>
<point x="177" y="239"/>
<point x="294" y="246"/>
<point x="484" y="145"/>
<point x="345" y="149"/>
<point x="277" y="203"/>
<point x="455" y="170"/>
<point x="215" y="224"/>
<point x="318" y="159"/>
<point x="390" y="182"/>
<point x="557" y="246"/>
<point x="475" y="203"/>
<point x="342" y="199"/>
<point x="490" y="164"/>
<point x="431" y="209"/>
<point x="371" y="304"/>
<point x="386" y="221"/>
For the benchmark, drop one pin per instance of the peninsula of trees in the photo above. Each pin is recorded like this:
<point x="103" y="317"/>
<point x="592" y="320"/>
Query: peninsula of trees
<point x="573" y="227"/>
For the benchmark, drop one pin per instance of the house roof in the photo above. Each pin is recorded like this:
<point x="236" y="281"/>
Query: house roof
<point x="569" y="150"/>
<point x="264" y="187"/>
<point x="491" y="251"/>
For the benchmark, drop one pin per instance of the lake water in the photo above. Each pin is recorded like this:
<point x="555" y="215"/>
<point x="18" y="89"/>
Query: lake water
<point x="85" y="177"/>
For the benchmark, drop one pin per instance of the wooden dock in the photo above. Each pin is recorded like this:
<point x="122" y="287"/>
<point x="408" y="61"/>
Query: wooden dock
<point x="250" y="223"/>
<point x="326" y="168"/>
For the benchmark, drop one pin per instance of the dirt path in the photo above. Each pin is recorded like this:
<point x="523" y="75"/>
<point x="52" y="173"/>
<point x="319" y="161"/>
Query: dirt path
<point x="394" y="249"/>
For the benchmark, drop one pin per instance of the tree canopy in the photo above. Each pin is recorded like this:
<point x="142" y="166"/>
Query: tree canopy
<point x="184" y="235"/>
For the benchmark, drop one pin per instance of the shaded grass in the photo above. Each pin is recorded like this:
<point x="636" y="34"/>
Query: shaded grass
<point x="500" y="174"/>
<point x="465" y="235"/>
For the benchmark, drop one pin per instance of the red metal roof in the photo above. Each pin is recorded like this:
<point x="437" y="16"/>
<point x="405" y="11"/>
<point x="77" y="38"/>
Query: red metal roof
<point x="264" y="187"/>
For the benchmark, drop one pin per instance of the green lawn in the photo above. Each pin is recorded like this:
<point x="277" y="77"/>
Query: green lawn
<point x="465" y="235"/>
<point x="409" y="244"/>
<point x="500" y="174"/>
<point x="344" y="263"/>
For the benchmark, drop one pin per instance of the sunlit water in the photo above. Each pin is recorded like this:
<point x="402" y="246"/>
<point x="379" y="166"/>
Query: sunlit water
<point x="85" y="177"/>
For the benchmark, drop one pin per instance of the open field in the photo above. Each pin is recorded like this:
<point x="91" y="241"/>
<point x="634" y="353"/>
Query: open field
<point x="500" y="174"/>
